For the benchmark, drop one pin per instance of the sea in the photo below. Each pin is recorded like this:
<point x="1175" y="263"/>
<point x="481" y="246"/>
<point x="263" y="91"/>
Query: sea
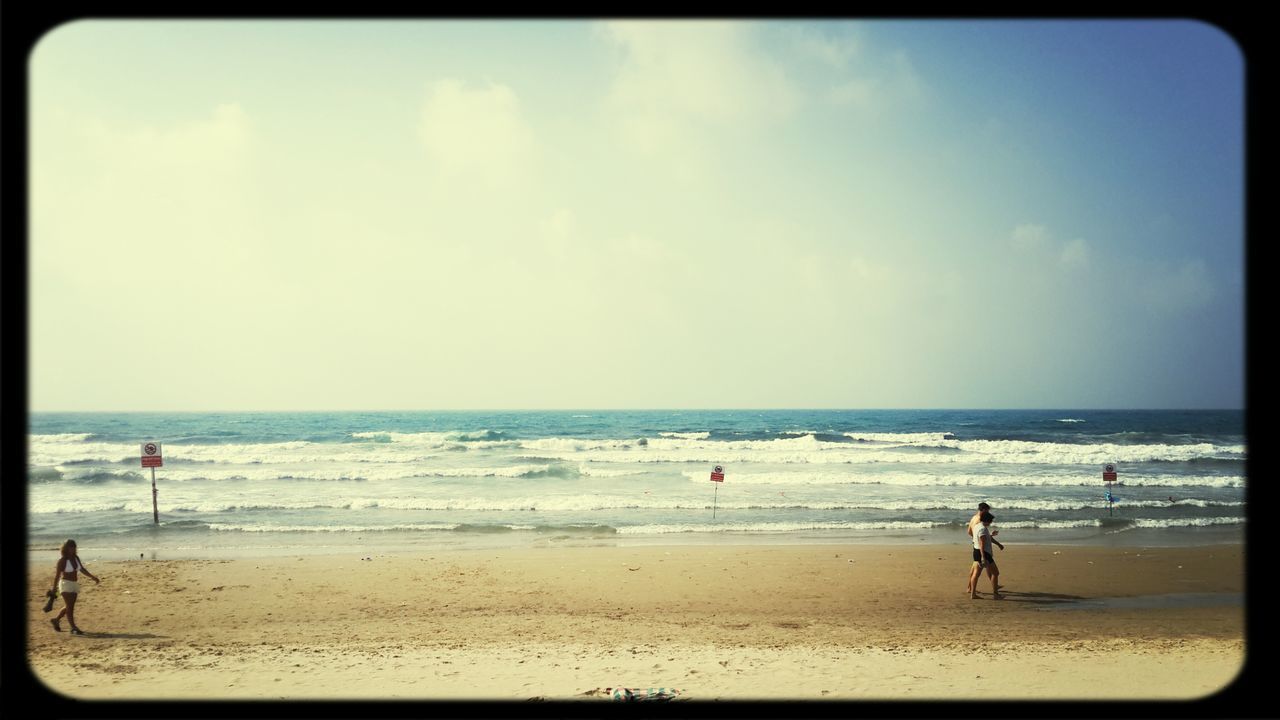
<point x="254" y="483"/>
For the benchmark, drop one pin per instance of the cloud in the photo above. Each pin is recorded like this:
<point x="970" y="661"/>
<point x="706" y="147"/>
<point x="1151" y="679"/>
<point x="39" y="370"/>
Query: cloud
<point x="681" y="77"/>
<point x="1075" y="255"/>
<point x="860" y="92"/>
<point x="1030" y="238"/>
<point x="164" y="188"/>
<point x="475" y="131"/>
<point x="830" y="48"/>
<point x="214" y="144"/>
<point x="904" y="77"/>
<point x="198" y="153"/>
<point x="557" y="232"/>
<point x="879" y="85"/>
<point x="1185" y="287"/>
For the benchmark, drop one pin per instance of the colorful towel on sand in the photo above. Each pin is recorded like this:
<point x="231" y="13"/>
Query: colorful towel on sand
<point x="620" y="694"/>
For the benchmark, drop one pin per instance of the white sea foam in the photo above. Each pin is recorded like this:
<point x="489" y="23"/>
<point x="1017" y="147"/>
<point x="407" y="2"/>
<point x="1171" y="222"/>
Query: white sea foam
<point x="587" y="470"/>
<point x="853" y="477"/>
<point x="932" y="448"/>
<point x="809" y="450"/>
<point x="900" y="438"/>
<point x="744" y="527"/>
<point x="434" y="439"/>
<point x="57" y="503"/>
<point x="58" y="438"/>
<point x="1187" y="522"/>
<point x="771" y="527"/>
<point x="1125" y="523"/>
<point x="238" y="527"/>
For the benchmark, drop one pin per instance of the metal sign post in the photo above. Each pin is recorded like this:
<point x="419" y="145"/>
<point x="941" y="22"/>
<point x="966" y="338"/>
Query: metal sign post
<point x="717" y="476"/>
<point x="151" y="458"/>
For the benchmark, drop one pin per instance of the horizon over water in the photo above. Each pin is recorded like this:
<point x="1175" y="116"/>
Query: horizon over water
<point x="239" y="483"/>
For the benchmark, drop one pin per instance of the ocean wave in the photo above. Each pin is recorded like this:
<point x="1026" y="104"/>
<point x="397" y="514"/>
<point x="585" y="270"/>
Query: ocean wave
<point x="431" y="438"/>
<point x="583" y="503"/>
<point x="88" y="475"/>
<point x="738" y="474"/>
<point x="58" y="438"/>
<point x="900" y="438"/>
<point x="1115" y="523"/>
<point x="808" y="448"/>
<point x="335" y="529"/>
<point x="477" y="528"/>
<point x="571" y="528"/>
<point x="774" y="527"/>
<point x="894" y="526"/>
<point x="836" y="477"/>
<point x="587" y="470"/>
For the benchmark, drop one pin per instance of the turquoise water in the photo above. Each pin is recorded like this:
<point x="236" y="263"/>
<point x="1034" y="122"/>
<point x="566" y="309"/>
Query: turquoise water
<point x="257" y="481"/>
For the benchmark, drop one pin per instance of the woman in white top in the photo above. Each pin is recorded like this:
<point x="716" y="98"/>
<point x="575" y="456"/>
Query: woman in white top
<point x="982" y="557"/>
<point x="66" y="581"/>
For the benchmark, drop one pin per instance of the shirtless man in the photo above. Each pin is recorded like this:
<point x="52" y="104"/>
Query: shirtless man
<point x="976" y="521"/>
<point x="977" y="518"/>
<point x="983" y="558"/>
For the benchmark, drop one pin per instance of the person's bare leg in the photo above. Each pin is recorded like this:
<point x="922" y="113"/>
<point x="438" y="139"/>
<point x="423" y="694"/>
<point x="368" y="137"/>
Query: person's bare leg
<point x="68" y="602"/>
<point x="975" y="572"/>
<point x="993" y="572"/>
<point x="70" y="599"/>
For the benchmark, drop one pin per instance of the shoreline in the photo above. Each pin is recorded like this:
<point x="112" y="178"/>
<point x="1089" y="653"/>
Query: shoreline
<point x="163" y="545"/>
<point x="790" y="622"/>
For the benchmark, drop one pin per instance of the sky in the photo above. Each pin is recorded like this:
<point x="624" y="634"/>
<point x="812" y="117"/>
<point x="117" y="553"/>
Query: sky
<point x="443" y="214"/>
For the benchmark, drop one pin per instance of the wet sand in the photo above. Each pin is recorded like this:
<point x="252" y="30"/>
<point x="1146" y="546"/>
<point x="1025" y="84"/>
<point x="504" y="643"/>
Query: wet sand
<point x="812" y="622"/>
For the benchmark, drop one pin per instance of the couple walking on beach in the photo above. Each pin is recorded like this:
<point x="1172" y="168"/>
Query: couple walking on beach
<point x="979" y="529"/>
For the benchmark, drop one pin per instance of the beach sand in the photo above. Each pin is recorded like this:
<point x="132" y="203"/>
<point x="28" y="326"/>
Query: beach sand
<point x="809" y="622"/>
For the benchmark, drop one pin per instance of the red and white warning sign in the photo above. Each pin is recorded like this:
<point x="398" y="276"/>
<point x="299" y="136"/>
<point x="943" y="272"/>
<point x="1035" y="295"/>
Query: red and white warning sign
<point x="151" y="455"/>
<point x="717" y="474"/>
<point x="1109" y="473"/>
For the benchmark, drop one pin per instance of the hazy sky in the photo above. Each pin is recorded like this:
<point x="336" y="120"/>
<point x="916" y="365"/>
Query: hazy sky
<point x="289" y="215"/>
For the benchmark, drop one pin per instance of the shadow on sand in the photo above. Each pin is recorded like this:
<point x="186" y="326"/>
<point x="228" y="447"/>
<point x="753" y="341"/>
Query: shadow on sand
<point x="90" y="635"/>
<point x="1035" y="598"/>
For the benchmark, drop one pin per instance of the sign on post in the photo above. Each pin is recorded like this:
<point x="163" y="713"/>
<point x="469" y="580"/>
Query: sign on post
<point x="152" y="458"/>
<point x="1109" y="476"/>
<point x="151" y="455"/>
<point x="717" y="476"/>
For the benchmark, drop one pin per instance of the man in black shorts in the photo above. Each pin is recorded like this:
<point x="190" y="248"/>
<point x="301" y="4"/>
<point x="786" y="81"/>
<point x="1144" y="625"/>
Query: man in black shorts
<point x="976" y="522"/>
<point x="982" y="557"/>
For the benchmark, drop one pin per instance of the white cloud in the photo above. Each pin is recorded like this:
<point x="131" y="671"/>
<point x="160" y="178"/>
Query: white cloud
<point x="557" y="232"/>
<point x="1185" y="287"/>
<point x="860" y="92"/>
<point x="830" y="48"/>
<point x="477" y="131"/>
<point x="161" y="188"/>
<point x="1030" y="238"/>
<point x="1075" y="255"/>
<point x="215" y="144"/>
<point x="877" y="86"/>
<point x="681" y="77"/>
<point x="904" y="77"/>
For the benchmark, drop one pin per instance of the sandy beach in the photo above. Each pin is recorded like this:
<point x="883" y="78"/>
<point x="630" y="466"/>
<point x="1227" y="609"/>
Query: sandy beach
<point x="816" y="622"/>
